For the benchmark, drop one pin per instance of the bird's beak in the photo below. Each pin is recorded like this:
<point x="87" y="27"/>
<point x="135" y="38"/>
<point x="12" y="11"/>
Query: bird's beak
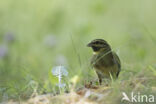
<point x="89" y="45"/>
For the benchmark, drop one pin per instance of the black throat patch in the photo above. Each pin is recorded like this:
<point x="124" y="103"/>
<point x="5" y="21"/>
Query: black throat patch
<point x="96" y="49"/>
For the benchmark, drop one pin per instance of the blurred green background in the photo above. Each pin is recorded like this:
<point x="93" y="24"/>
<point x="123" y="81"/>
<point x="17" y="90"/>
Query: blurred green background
<point x="36" y="35"/>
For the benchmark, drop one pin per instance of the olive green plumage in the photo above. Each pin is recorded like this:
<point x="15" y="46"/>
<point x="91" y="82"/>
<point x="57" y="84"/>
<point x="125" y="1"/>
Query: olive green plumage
<point x="105" y="62"/>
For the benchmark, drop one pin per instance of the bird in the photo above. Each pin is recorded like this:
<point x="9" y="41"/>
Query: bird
<point x="105" y="61"/>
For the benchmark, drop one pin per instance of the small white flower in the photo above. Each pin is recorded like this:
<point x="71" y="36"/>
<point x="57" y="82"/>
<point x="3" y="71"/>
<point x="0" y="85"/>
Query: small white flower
<point x="59" y="72"/>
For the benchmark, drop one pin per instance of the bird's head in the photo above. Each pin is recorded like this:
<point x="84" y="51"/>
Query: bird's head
<point x="99" y="45"/>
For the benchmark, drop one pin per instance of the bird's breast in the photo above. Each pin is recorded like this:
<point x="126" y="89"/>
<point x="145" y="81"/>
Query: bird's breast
<point x="100" y="61"/>
<point x="104" y="65"/>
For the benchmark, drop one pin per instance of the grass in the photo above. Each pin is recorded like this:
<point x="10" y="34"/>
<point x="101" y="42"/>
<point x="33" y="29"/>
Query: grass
<point x="39" y="35"/>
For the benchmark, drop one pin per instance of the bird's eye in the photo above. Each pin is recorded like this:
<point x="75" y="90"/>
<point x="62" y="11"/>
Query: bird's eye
<point x="97" y="42"/>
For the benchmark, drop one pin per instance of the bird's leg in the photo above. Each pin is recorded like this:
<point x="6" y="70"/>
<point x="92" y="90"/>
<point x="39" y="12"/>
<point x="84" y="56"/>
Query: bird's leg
<point x="100" y="81"/>
<point x="100" y="78"/>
